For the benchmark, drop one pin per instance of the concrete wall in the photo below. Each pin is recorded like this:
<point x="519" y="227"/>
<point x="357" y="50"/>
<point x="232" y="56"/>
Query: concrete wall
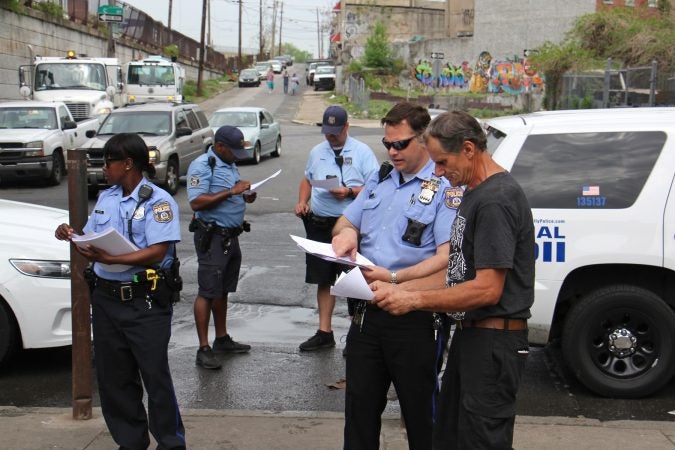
<point x="503" y="28"/>
<point x="18" y="31"/>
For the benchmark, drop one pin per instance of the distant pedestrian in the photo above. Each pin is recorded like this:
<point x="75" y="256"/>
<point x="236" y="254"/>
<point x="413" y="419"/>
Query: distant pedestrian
<point x="270" y="80"/>
<point x="285" y="75"/>
<point x="295" y="82"/>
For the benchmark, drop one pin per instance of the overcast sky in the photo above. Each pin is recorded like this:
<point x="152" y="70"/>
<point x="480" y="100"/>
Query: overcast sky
<point x="299" y="20"/>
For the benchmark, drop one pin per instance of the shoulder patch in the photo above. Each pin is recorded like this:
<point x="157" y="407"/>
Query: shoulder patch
<point x="453" y="197"/>
<point x="162" y="212"/>
<point x="194" y="181"/>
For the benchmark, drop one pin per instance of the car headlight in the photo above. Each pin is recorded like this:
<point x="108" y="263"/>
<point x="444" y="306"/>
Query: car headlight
<point x="42" y="269"/>
<point x="154" y="156"/>
<point x="36" y="148"/>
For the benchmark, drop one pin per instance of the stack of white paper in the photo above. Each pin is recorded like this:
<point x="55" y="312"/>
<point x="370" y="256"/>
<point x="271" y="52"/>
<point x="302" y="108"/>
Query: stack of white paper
<point x="109" y="240"/>
<point x="352" y="284"/>
<point x="325" y="251"/>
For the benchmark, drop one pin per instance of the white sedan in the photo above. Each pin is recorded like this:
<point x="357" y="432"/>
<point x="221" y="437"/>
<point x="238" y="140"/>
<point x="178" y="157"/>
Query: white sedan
<point x="34" y="279"/>
<point x="258" y="125"/>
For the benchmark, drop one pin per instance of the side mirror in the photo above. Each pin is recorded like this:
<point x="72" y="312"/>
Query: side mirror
<point x="183" y="131"/>
<point x="90" y="133"/>
<point x="69" y="125"/>
<point x="111" y="91"/>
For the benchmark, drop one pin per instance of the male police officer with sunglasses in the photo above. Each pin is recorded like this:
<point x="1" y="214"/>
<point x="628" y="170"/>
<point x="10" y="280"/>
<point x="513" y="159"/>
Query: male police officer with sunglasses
<point x="402" y="219"/>
<point x="351" y="163"/>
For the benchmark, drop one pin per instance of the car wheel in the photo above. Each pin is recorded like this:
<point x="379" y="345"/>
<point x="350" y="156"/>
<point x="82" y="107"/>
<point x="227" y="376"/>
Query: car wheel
<point x="172" y="182"/>
<point x="618" y="341"/>
<point x="241" y="85"/>
<point x="316" y="88"/>
<point x="58" y="166"/>
<point x="277" y="148"/>
<point x="9" y="333"/>
<point x="257" y="153"/>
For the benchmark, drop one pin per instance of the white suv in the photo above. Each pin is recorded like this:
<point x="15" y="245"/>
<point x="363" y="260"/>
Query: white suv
<point x="601" y="184"/>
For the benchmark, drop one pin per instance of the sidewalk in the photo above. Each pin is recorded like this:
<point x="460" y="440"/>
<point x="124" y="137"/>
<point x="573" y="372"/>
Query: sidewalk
<point x="312" y="106"/>
<point x="53" y="428"/>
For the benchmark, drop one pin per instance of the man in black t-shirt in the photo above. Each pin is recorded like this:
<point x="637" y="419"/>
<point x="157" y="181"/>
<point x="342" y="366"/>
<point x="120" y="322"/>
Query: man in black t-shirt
<point x="489" y="288"/>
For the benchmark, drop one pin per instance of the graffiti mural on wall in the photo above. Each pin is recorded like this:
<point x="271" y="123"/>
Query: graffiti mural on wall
<point x="498" y="77"/>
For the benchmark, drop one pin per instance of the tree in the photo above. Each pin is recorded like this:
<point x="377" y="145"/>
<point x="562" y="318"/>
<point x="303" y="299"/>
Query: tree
<point x="299" y="56"/>
<point x="377" y="52"/>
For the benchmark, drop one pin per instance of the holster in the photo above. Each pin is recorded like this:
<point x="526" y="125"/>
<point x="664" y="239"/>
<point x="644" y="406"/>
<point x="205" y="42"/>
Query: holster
<point x="90" y="278"/>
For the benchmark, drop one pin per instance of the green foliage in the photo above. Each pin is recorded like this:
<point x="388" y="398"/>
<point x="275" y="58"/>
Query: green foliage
<point x="665" y="7"/>
<point x="299" y="56"/>
<point x="172" y="50"/>
<point x="377" y="51"/>
<point x="51" y="9"/>
<point x="16" y="6"/>
<point x="490" y="113"/>
<point x="209" y="89"/>
<point x="376" y="108"/>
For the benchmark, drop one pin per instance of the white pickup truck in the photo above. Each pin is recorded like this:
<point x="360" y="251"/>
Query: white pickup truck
<point x="34" y="139"/>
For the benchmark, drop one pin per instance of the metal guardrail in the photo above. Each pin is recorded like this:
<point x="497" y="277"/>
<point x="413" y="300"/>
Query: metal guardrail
<point x="358" y="93"/>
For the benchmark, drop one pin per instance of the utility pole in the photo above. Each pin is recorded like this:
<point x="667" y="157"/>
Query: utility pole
<point x="209" y="42"/>
<point x="260" y="35"/>
<point x="239" y="48"/>
<point x="201" y="50"/>
<point x="318" y="35"/>
<point x="170" y="8"/>
<point x="274" y="28"/>
<point x="281" y="24"/>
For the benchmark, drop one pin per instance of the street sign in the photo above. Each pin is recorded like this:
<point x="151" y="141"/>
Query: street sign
<point x="110" y="13"/>
<point x="437" y="55"/>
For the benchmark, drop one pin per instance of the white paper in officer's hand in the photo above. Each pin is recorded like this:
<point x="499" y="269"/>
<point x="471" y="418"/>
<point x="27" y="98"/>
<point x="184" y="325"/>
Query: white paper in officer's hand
<point x="325" y="251"/>
<point x="330" y="183"/>
<point x="352" y="284"/>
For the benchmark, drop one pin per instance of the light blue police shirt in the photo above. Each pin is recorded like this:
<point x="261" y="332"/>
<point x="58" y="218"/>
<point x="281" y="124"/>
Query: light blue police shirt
<point x="156" y="220"/>
<point x="381" y="212"/>
<point x="202" y="180"/>
<point x="359" y="163"/>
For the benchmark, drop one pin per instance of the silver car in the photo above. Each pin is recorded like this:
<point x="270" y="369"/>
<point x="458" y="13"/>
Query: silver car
<point x="259" y="127"/>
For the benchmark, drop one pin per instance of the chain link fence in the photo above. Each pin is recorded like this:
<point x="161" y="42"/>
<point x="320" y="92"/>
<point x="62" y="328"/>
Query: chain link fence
<point x="358" y="93"/>
<point x="612" y="88"/>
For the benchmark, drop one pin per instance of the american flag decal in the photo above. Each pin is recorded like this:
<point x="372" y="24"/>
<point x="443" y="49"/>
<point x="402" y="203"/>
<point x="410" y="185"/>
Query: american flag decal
<point x="590" y="190"/>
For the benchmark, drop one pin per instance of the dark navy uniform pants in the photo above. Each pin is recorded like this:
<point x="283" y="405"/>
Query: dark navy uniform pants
<point x="390" y="349"/>
<point x="130" y="346"/>
<point x="476" y="405"/>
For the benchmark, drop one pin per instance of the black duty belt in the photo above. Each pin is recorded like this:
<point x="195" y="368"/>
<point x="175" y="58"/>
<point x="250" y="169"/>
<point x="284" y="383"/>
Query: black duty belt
<point x="124" y="290"/>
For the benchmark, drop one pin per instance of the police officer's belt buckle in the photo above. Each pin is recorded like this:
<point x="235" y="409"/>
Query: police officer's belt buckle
<point x="126" y="292"/>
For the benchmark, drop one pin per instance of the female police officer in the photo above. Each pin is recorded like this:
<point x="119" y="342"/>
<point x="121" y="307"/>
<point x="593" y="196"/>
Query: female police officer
<point x="131" y="316"/>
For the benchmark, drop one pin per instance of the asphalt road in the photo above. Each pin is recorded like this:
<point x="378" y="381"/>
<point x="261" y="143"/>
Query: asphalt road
<point x="274" y="311"/>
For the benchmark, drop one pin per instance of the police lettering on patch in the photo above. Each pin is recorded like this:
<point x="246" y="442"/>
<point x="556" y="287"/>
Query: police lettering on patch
<point x="453" y="197"/>
<point x="348" y="160"/>
<point x="162" y="212"/>
<point x="194" y="181"/>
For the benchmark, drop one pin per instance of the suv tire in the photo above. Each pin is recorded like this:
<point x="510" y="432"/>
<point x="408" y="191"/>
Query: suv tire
<point x="8" y="333"/>
<point x="58" y="165"/>
<point x="617" y="341"/>
<point x="172" y="181"/>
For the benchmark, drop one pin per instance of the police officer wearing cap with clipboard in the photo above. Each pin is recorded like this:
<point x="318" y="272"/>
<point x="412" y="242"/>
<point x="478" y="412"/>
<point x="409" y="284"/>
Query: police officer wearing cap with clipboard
<point x="401" y="221"/>
<point x="218" y="196"/>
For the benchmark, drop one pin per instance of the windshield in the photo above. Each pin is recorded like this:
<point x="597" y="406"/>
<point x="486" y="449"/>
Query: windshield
<point x="44" y="118"/>
<point x="70" y="76"/>
<point x="249" y="73"/>
<point x="234" y="118"/>
<point x="325" y="69"/>
<point x="149" y="123"/>
<point x="151" y="74"/>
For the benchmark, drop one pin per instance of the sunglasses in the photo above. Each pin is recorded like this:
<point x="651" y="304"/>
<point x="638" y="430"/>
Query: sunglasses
<point x="109" y="161"/>
<point x="398" y="145"/>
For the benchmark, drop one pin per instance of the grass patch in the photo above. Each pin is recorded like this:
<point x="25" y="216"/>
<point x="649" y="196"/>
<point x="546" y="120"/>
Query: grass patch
<point x="376" y="108"/>
<point x="210" y="88"/>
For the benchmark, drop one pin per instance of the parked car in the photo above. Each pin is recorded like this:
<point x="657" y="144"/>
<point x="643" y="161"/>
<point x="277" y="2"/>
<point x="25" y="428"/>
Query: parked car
<point x="276" y="65"/>
<point x="287" y="60"/>
<point x="176" y="134"/>
<point x="35" y="137"/>
<point x="34" y="279"/>
<point x="262" y="68"/>
<point x="310" y="68"/>
<point x="249" y="77"/>
<point x="324" y="78"/>
<point x="260" y="129"/>
<point x="602" y="191"/>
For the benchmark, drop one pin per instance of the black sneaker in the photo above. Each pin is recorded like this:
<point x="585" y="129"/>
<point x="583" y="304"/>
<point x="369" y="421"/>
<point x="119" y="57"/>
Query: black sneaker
<point x="206" y="359"/>
<point x="322" y="339"/>
<point x="225" y="344"/>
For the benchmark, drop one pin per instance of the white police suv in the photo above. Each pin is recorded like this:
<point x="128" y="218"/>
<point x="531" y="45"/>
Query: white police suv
<point x="601" y="184"/>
